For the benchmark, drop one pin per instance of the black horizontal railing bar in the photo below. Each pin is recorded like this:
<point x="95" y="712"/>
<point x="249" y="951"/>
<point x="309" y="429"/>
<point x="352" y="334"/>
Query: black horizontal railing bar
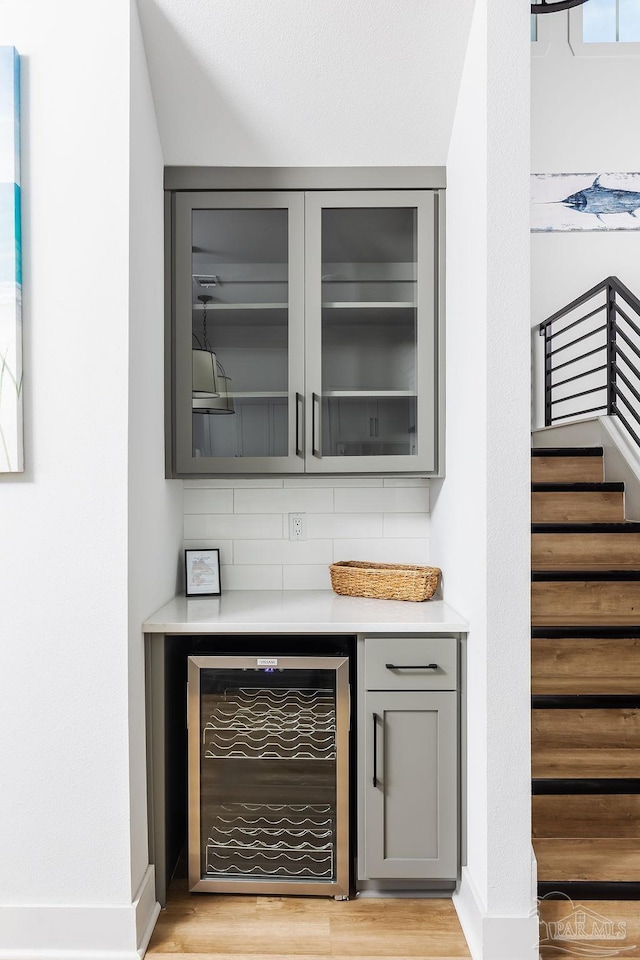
<point x="585" y="336"/>
<point x="627" y="426"/>
<point x="627" y="382"/>
<point x="625" y="293"/>
<point x="570" y="307"/>
<point x="578" y="376"/>
<point x="583" y="393"/>
<point x="634" y="326"/>
<point x="628" y="341"/>
<point x="628" y="363"/>
<point x="618" y="393"/>
<point x="622" y="327"/>
<point x="556" y="333"/>
<point x="580" y="413"/>
<point x="582" y="356"/>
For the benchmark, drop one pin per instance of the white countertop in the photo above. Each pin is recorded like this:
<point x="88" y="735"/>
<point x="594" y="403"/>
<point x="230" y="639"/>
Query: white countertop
<point x="292" y="611"/>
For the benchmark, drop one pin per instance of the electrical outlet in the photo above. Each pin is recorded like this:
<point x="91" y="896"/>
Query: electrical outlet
<point x="297" y="526"/>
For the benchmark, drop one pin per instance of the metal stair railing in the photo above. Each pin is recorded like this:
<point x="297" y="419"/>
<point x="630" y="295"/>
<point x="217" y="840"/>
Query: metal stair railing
<point x="598" y="353"/>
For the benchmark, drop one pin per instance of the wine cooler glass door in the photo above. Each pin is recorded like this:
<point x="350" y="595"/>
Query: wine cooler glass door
<point x="268" y="774"/>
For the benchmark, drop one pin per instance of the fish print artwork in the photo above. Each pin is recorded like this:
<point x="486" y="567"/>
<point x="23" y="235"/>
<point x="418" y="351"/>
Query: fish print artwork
<point x="585" y="201"/>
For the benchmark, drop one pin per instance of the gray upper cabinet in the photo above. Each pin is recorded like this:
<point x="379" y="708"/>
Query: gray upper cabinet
<point x="304" y="332"/>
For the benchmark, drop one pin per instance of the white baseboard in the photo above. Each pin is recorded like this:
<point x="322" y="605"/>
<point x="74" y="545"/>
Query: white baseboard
<point x="80" y="932"/>
<point x="578" y="433"/>
<point x="146" y="909"/>
<point x="490" y="937"/>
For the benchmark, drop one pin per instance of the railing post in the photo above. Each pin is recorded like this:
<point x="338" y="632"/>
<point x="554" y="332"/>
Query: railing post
<point x="547" y="375"/>
<point x="611" y="350"/>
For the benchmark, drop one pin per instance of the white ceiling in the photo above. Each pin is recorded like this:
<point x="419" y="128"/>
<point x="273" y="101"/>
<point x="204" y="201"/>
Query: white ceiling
<point x="305" y="82"/>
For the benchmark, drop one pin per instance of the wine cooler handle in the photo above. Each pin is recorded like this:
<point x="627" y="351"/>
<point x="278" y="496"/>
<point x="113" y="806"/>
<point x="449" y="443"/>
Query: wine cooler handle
<point x="299" y="425"/>
<point x="375" y="749"/>
<point x="315" y="425"/>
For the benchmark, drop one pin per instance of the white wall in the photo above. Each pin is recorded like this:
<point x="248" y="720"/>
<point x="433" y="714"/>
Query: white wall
<point x="283" y="82"/>
<point x="583" y="111"/>
<point x="346" y="519"/>
<point x="69" y="878"/>
<point x="480" y="512"/>
<point x="155" y="505"/>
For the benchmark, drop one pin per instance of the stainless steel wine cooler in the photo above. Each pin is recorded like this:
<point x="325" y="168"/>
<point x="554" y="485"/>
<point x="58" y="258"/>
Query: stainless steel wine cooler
<point x="269" y="775"/>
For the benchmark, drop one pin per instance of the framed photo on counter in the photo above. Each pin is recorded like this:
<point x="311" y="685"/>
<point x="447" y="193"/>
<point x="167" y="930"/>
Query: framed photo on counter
<point x="202" y="572"/>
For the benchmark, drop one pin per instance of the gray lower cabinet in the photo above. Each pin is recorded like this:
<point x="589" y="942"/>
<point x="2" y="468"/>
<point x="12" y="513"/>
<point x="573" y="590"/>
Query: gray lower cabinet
<point x="408" y="766"/>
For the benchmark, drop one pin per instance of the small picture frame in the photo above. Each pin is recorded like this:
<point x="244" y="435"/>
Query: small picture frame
<point x="202" y="572"/>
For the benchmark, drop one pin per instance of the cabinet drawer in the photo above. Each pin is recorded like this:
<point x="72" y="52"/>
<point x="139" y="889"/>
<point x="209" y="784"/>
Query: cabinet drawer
<point x="407" y="663"/>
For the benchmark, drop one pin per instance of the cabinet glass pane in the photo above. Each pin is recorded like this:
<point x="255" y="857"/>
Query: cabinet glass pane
<point x="240" y="332"/>
<point x="268" y="774"/>
<point x="369" y="331"/>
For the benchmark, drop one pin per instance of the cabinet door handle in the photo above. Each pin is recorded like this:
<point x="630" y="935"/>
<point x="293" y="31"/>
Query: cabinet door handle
<point x="411" y="666"/>
<point x="375" y="749"/>
<point x="316" y="428"/>
<point x="299" y="425"/>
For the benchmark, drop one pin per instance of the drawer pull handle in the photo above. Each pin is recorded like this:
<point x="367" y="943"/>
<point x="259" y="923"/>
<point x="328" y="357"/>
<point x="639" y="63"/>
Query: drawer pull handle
<point x="375" y="749"/>
<point x="414" y="666"/>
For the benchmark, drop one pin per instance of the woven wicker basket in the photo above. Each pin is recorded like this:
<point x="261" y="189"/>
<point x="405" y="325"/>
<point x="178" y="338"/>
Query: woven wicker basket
<point x="384" y="581"/>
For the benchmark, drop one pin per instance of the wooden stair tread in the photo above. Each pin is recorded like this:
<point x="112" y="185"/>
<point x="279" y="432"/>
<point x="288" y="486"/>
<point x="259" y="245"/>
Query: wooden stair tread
<point x="572" y="762"/>
<point x="566" y="469"/>
<point x="585" y="685"/>
<point x="570" y="506"/>
<point x="584" y="665"/>
<point x="594" y="859"/>
<point x="619" y="920"/>
<point x="586" y="551"/>
<point x="583" y="602"/>
<point x="585" y="620"/>
<point x="586" y="815"/>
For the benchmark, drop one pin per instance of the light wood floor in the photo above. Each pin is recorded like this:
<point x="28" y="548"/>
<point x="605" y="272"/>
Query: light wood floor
<point x="618" y="923"/>
<point x="199" y="926"/>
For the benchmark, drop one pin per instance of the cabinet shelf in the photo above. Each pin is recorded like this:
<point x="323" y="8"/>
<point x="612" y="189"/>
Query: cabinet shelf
<point x="368" y="305"/>
<point x="240" y="306"/>
<point x="258" y="394"/>
<point x="377" y="394"/>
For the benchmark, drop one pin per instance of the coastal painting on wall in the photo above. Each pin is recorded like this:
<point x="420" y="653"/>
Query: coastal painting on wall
<point x="566" y="202"/>
<point x="11" y="450"/>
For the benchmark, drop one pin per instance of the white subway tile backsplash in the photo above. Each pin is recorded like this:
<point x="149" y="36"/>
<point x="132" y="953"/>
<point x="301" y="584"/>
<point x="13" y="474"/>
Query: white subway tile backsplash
<point x="289" y="500"/>
<point x="405" y="525"/>
<point x="232" y="483"/>
<point x="346" y="518"/>
<point x="232" y="527"/>
<point x="251" y="577"/>
<point x="383" y="551"/>
<point x="384" y="500"/>
<point x="307" y="481"/>
<point x="406" y="482"/>
<point x="329" y="525"/>
<point x="283" y="551"/>
<point x="224" y="546"/>
<point x="306" y="577"/>
<point x="208" y="501"/>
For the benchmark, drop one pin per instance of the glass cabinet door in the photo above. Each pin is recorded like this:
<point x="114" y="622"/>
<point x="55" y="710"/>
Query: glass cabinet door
<point x="370" y="331"/>
<point x="239" y="367"/>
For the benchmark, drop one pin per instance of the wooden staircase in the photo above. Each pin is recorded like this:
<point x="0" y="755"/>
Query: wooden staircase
<point x="585" y="611"/>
